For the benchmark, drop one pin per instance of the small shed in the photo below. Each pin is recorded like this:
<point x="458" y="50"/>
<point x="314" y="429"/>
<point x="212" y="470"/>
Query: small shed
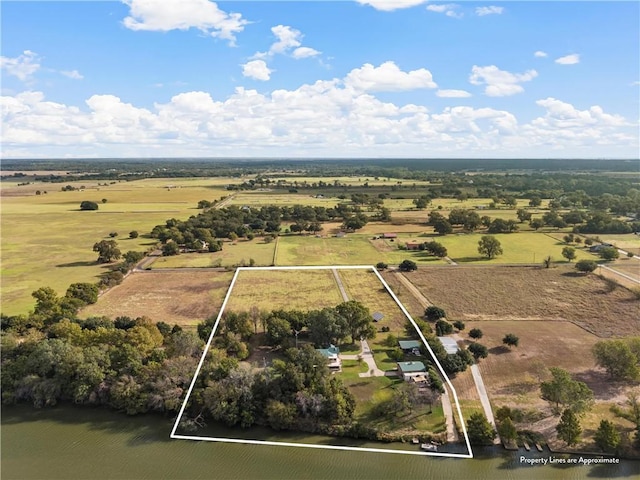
<point x="340" y="234"/>
<point x="389" y="235"/>
<point x="407" y="370"/>
<point x="408" y="346"/>
<point x="377" y="316"/>
<point x="413" y="245"/>
<point x="449" y="344"/>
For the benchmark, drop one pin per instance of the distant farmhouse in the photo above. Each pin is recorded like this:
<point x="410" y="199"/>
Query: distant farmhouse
<point x="413" y="245"/>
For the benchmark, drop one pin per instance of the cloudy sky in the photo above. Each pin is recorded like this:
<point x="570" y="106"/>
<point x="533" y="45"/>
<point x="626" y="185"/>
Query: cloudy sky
<point x="358" y="78"/>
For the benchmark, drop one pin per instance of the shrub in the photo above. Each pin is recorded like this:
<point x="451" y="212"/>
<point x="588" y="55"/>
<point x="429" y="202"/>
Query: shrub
<point x="133" y="234"/>
<point x="443" y="328"/>
<point x="434" y="313"/>
<point x="87" y="205"/>
<point x="586" y="266"/>
<point x="381" y="266"/>
<point x="408" y="266"/>
<point x="475" y="333"/>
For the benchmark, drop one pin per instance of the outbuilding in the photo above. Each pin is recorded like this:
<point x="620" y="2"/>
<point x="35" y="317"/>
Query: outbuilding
<point x="449" y="344"/>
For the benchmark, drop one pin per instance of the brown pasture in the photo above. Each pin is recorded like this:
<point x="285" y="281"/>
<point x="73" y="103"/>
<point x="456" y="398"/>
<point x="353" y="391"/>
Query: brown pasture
<point x="183" y="298"/>
<point x="284" y="289"/>
<point x="531" y="293"/>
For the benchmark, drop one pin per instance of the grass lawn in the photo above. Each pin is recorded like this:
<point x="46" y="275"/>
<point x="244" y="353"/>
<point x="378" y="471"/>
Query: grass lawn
<point x="286" y="289"/>
<point x="47" y="241"/>
<point x="236" y="253"/>
<point x="351" y="369"/>
<point x="185" y="298"/>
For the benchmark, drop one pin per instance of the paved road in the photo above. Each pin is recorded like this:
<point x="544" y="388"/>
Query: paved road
<point x="484" y="398"/>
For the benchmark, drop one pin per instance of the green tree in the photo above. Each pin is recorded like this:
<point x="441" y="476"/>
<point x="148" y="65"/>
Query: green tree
<point x="535" y="201"/>
<point x="536" y="223"/>
<point x="408" y="266"/>
<point x="133" y="234"/>
<point x="507" y="430"/>
<point x="489" y="246"/>
<point x="442" y="226"/>
<point x="358" y="320"/>
<point x="523" y="215"/>
<point x="443" y="328"/>
<point x="475" y="333"/>
<point x="107" y="250"/>
<point x="564" y="392"/>
<point x="278" y="329"/>
<point x="607" y="436"/>
<point x="510" y="340"/>
<point x="170" y="248"/>
<point x="480" y="430"/>
<point x="459" y="324"/>
<point x="88" y="205"/>
<point x="86" y="292"/>
<point x="568" y="428"/>
<point x="609" y="253"/>
<point x="586" y="266"/>
<point x="280" y="416"/>
<point x="436" y="249"/>
<point x="434" y="313"/>
<point x="478" y="351"/>
<point x="618" y="359"/>
<point x="381" y="266"/>
<point x="569" y="253"/>
<point x="327" y="327"/>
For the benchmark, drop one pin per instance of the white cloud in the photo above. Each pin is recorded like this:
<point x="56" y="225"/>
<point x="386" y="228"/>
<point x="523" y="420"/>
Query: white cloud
<point x="256" y="69"/>
<point x="305" y="52"/>
<point x="540" y="54"/>
<point x="325" y="118"/>
<point x="288" y="38"/>
<point x="569" y="59"/>
<point x="635" y="84"/>
<point x="500" y="83"/>
<point x="23" y="66"/>
<point x="449" y="9"/>
<point x="163" y="16"/>
<point x="73" y="74"/>
<point x="389" y="5"/>
<point x="453" y="94"/>
<point x="491" y="10"/>
<point x="388" y="78"/>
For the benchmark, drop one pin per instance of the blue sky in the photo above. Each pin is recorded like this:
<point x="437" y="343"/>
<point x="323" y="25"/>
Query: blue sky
<point x="360" y="78"/>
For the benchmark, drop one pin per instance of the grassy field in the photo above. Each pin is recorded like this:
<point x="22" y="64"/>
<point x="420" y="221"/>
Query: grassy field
<point x="628" y="242"/>
<point x="530" y="293"/>
<point x="232" y="253"/>
<point x="284" y="289"/>
<point x="185" y="298"/>
<point x="47" y="241"/>
<point x="524" y="247"/>
<point x="353" y="249"/>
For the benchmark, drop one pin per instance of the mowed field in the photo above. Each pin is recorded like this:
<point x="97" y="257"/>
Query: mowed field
<point x="183" y="298"/>
<point x="353" y="249"/>
<point x="284" y="289"/>
<point x="47" y="241"/>
<point x="531" y="293"/>
<point x="239" y="252"/>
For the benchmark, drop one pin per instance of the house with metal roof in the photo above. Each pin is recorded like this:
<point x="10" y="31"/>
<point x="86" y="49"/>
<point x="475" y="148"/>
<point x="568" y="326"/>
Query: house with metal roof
<point x="406" y="370"/>
<point x="332" y="354"/>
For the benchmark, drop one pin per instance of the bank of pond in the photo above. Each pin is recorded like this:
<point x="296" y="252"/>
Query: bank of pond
<point x="69" y="442"/>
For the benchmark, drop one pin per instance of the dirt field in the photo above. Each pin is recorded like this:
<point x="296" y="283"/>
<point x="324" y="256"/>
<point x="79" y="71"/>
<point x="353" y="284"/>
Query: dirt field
<point x="185" y="298"/>
<point x="531" y="293"/>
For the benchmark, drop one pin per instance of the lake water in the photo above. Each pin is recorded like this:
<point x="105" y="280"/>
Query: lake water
<point x="73" y="443"/>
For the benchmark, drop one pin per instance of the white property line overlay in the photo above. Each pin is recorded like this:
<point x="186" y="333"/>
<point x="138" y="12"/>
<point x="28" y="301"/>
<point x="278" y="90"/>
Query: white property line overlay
<point x="174" y="435"/>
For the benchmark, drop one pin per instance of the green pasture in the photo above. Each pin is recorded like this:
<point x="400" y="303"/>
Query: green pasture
<point x="232" y="253"/>
<point x="281" y="198"/>
<point x="352" y="181"/>
<point x="353" y="249"/>
<point x="47" y="241"/>
<point x="524" y="247"/>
